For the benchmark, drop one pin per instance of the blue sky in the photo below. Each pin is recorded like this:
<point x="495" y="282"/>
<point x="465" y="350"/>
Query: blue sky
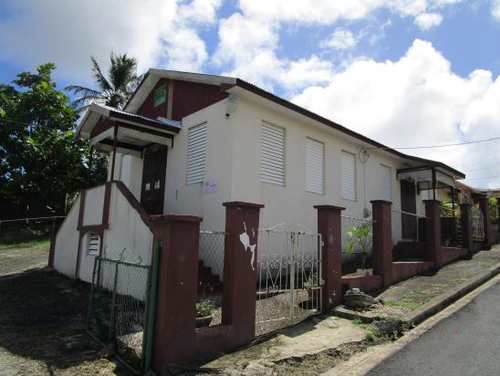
<point x="404" y="72"/>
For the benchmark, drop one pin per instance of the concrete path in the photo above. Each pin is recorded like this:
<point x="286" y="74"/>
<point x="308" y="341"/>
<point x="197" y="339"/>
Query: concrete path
<point x="465" y="343"/>
<point x="310" y="337"/>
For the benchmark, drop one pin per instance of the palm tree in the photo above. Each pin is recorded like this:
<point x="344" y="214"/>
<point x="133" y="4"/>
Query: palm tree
<point x="115" y="90"/>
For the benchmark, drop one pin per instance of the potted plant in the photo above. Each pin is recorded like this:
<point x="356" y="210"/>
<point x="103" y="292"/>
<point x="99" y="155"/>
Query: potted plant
<point x="360" y="239"/>
<point x="204" y="309"/>
<point x="310" y="283"/>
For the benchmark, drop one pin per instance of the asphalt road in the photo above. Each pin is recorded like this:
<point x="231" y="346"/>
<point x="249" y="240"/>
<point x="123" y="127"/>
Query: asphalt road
<point x="465" y="343"/>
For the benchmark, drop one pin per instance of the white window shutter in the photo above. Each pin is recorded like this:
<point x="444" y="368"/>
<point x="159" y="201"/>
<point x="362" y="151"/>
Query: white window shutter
<point x="197" y="143"/>
<point x="272" y="160"/>
<point x="126" y="170"/>
<point x="385" y="183"/>
<point x="315" y="156"/>
<point x="348" y="176"/>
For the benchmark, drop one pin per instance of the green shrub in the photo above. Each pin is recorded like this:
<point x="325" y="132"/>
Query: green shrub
<point x="204" y="307"/>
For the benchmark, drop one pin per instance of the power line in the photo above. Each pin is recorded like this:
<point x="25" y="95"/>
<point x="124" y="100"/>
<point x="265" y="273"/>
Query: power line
<point x="437" y="146"/>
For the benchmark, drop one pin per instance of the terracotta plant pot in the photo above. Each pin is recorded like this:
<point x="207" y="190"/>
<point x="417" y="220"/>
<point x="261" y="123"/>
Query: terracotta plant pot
<point x="203" y="321"/>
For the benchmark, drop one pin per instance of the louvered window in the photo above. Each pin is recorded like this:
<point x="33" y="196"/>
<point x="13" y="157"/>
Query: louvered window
<point x="272" y="160"/>
<point x="315" y="156"/>
<point x="94" y="244"/>
<point x="197" y="143"/>
<point x="385" y="183"/>
<point x="126" y="170"/>
<point x="348" y="176"/>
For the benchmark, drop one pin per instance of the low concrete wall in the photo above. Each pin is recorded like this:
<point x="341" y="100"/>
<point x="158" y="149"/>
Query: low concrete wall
<point x="451" y="254"/>
<point x="366" y="283"/>
<point x="407" y="269"/>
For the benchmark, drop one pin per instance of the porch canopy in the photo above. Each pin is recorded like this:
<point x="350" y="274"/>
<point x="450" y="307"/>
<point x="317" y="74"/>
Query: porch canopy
<point x="113" y="130"/>
<point x="431" y="177"/>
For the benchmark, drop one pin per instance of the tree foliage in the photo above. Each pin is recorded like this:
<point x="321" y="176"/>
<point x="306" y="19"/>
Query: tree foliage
<point x="113" y="91"/>
<point x="41" y="161"/>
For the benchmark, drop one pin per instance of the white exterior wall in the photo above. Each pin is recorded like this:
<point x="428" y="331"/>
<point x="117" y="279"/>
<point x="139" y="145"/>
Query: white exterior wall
<point x="94" y="203"/>
<point x="183" y="198"/>
<point x="66" y="248"/>
<point x="292" y="203"/>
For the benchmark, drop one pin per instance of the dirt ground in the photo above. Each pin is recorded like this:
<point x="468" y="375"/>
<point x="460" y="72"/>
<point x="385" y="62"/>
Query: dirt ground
<point x="43" y="320"/>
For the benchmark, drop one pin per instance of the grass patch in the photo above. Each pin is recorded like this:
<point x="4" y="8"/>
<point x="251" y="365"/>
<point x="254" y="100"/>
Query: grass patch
<point x="404" y="304"/>
<point x="371" y="330"/>
<point x="25" y="243"/>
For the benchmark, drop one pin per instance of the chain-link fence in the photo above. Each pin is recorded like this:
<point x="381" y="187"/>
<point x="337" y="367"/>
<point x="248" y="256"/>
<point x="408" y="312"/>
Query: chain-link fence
<point x="407" y="227"/>
<point x="477" y="217"/>
<point x="211" y="273"/>
<point x="28" y="230"/>
<point x="357" y="244"/>
<point x="117" y="308"/>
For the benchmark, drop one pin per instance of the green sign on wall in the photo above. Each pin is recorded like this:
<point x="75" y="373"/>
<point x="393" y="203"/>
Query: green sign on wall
<point x="160" y="95"/>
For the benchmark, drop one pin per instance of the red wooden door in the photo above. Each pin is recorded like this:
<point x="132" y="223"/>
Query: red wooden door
<point x="408" y="204"/>
<point x="153" y="180"/>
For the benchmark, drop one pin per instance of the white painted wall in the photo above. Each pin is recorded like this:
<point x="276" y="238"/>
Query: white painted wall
<point x="67" y="242"/>
<point x="292" y="203"/>
<point x="94" y="201"/>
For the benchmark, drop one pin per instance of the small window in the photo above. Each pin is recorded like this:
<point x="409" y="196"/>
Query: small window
<point x="348" y="176"/>
<point x="272" y="157"/>
<point x="315" y="156"/>
<point x="385" y="183"/>
<point x="126" y="170"/>
<point x="197" y="143"/>
<point x="160" y="95"/>
<point x="94" y="244"/>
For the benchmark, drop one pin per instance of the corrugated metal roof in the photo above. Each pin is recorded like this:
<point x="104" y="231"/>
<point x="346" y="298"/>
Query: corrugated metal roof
<point x="163" y="121"/>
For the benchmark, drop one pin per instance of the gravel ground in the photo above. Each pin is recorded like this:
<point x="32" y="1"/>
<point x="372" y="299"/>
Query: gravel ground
<point x="43" y="319"/>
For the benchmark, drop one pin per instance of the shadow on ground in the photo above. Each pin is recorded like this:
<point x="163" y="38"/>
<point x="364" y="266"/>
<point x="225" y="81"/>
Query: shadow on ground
<point x="43" y="319"/>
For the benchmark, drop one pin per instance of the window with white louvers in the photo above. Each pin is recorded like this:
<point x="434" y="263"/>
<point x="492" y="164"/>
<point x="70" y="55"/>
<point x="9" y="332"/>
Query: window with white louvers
<point x="197" y="143"/>
<point x="315" y="156"/>
<point x="272" y="159"/>
<point x="385" y="183"/>
<point x="348" y="176"/>
<point x="126" y="170"/>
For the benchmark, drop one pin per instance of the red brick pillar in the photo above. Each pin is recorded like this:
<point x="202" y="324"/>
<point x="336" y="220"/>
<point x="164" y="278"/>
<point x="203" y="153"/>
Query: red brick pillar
<point x="240" y="275"/>
<point x="485" y="209"/>
<point x="174" y="333"/>
<point x="434" y="249"/>
<point x="382" y="241"/>
<point x="329" y="226"/>
<point x="466" y="222"/>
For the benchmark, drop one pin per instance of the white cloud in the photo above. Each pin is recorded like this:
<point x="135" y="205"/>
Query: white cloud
<point x="340" y="39"/>
<point x="495" y="9"/>
<point x="426" y="21"/>
<point x="416" y="101"/>
<point x="157" y="32"/>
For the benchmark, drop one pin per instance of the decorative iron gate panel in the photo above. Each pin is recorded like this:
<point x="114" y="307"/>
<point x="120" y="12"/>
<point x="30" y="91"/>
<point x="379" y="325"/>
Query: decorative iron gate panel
<point x="477" y="225"/>
<point x="118" y="308"/>
<point x="289" y="278"/>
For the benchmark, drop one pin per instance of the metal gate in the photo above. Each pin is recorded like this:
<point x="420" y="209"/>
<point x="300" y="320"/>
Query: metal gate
<point x="289" y="278"/>
<point x="119" y="310"/>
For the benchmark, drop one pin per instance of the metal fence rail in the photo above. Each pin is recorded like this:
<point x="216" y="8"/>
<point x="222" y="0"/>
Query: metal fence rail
<point x="357" y="243"/>
<point x="406" y="226"/>
<point x="26" y="229"/>
<point x="118" y="308"/>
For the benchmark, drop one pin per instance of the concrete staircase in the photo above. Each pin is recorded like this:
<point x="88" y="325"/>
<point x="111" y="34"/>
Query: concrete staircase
<point x="208" y="283"/>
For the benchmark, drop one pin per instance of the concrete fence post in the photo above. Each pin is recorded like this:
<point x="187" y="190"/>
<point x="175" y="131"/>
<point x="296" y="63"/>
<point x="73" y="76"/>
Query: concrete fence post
<point x="330" y="228"/>
<point x="466" y="223"/>
<point x="382" y="241"/>
<point x="485" y="209"/>
<point x="240" y="276"/>
<point x="434" y="249"/>
<point x="174" y="332"/>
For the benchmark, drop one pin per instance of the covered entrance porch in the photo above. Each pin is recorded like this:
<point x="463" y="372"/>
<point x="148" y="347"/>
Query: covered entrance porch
<point x="137" y="147"/>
